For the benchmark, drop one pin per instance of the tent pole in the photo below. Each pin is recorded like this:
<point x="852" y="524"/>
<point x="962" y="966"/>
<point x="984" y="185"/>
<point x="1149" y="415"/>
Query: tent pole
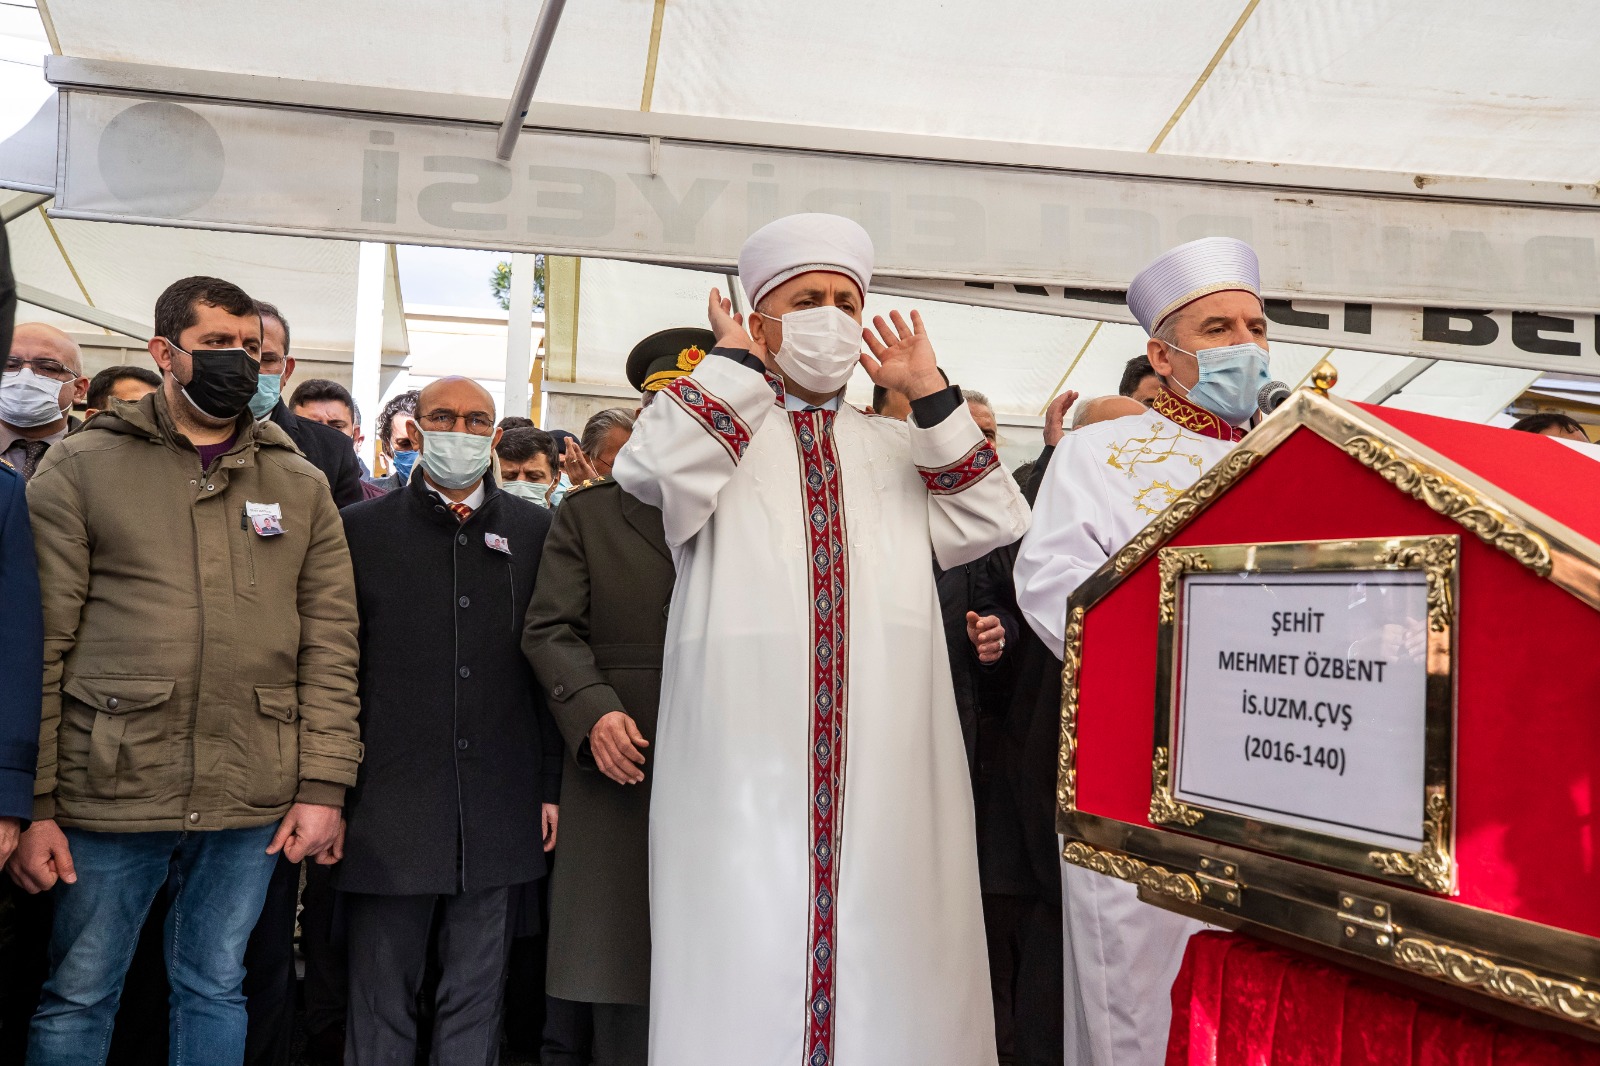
<point x="544" y="31"/>
<point x="519" y="334"/>
<point x="1383" y="393"/>
<point x="366" y="363"/>
<point x="20" y="205"/>
<point x="32" y="294"/>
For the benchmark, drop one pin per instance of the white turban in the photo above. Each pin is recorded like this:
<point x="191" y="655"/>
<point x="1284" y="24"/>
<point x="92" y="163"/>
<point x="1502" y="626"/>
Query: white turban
<point x="1188" y="272"/>
<point x="795" y="244"/>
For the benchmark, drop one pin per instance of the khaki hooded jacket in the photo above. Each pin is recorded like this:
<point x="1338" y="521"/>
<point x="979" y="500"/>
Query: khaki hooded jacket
<point x="197" y="674"/>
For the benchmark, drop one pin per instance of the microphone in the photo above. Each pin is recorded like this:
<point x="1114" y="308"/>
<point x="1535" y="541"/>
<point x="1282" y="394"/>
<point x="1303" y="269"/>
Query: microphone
<point x="1272" y="396"/>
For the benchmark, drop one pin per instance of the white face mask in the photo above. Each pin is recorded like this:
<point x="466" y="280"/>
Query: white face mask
<point x="532" y="491"/>
<point x="821" y="348"/>
<point x="28" y="400"/>
<point x="456" y="460"/>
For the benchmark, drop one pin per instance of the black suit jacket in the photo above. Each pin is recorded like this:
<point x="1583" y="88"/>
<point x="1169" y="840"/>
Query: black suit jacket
<point x="460" y="748"/>
<point x="329" y="451"/>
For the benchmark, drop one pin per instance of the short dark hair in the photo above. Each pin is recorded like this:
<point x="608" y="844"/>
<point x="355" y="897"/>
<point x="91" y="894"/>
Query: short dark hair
<point x="880" y="395"/>
<point x="510" y="422"/>
<point x="266" y="310"/>
<point x="100" y="388"/>
<point x="522" y="443"/>
<point x="403" y="404"/>
<point x="316" y="390"/>
<point x="176" y="307"/>
<point x="1137" y="369"/>
<point x="1544" y="420"/>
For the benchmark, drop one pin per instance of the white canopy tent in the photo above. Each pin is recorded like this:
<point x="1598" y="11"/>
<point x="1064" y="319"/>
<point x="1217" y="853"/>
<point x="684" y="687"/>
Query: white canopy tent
<point x="1419" y="178"/>
<point x="75" y="272"/>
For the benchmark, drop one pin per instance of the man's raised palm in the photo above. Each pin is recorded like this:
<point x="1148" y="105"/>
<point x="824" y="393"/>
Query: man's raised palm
<point x="902" y="357"/>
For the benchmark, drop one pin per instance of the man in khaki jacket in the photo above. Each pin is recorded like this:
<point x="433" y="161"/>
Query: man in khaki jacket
<point x="199" y="683"/>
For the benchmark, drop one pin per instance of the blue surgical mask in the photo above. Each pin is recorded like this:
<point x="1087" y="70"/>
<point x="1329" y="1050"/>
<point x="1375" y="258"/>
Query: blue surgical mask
<point x="456" y="460"/>
<point x="532" y="491"/>
<point x="1230" y="379"/>
<point x="268" y="388"/>
<point x="562" y="487"/>
<point x="403" y="462"/>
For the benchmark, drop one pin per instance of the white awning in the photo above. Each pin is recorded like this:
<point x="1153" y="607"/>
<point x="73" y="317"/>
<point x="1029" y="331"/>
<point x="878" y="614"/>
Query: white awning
<point x="1433" y="153"/>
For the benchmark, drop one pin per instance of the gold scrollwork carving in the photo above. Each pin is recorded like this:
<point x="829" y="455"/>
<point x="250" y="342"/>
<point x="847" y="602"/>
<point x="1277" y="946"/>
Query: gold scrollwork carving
<point x="1179" y="886"/>
<point x="1455" y="501"/>
<point x="1189" y="503"/>
<point x="1433" y="868"/>
<point x="1441" y="961"/>
<point x="1164" y="809"/>
<point x="1067" y="757"/>
<point x="1176" y="562"/>
<point x="1437" y="557"/>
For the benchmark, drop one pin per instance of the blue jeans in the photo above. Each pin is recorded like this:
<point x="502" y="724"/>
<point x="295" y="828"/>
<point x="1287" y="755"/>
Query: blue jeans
<point x="218" y="881"/>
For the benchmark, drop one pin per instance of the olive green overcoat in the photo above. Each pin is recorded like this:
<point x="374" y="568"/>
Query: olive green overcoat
<point x="595" y="632"/>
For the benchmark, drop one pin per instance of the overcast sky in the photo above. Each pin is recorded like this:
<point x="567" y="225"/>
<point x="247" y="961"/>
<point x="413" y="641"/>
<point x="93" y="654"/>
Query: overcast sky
<point x="448" y="277"/>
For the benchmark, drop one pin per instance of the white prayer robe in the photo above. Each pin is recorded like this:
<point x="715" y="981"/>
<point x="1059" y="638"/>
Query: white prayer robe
<point x="798" y="919"/>
<point x="1104" y="484"/>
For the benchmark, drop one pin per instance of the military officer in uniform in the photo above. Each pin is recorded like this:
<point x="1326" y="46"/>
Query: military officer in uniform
<point x="594" y="634"/>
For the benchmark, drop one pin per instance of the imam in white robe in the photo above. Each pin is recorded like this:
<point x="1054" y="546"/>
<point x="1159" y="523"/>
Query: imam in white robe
<point x="1104" y="484"/>
<point x="813" y="868"/>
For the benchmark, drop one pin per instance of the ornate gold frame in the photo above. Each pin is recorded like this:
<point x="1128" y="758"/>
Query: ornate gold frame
<point x="1432" y="866"/>
<point x="1548" y="970"/>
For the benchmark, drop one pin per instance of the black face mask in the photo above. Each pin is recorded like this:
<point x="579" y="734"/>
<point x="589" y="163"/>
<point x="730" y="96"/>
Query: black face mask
<point x="223" y="380"/>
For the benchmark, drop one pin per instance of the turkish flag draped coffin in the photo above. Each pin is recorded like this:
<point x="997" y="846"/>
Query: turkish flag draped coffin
<point x="1239" y="1002"/>
<point x="1489" y="886"/>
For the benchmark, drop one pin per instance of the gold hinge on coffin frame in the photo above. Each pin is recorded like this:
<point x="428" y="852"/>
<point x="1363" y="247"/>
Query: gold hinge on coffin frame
<point x="1368" y="928"/>
<point x="1219" y="883"/>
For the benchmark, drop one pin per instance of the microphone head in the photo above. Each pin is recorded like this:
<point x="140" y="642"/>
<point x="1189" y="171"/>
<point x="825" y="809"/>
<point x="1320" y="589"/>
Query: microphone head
<point x="1272" y="396"/>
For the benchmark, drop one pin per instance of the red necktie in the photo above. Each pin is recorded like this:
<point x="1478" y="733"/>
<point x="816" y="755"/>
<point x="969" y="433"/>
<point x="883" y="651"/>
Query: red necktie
<point x="461" y="511"/>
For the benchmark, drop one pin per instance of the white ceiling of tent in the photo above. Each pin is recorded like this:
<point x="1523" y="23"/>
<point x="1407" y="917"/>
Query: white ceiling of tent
<point x="122" y="269"/>
<point x="1465" y="87"/>
<point x="1460" y="87"/>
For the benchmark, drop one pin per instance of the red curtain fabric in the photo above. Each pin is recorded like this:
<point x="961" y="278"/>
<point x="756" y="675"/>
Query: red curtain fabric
<point x="1241" y="1002"/>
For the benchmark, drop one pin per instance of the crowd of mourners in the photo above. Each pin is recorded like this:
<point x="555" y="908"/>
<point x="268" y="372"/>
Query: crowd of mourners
<point x="314" y="735"/>
<point x="363" y="758"/>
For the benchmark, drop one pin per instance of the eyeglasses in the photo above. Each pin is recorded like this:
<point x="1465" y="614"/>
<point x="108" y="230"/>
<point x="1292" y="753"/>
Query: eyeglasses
<point x="49" y="368"/>
<point x="446" y="421"/>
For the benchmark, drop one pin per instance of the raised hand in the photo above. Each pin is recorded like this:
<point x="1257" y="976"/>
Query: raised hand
<point x="1055" y="417"/>
<point x="901" y="357"/>
<point x="727" y="326"/>
<point x="576" y="465"/>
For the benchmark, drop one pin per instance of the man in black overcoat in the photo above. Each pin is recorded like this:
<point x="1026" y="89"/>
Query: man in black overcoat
<point x="329" y="450"/>
<point x="456" y="801"/>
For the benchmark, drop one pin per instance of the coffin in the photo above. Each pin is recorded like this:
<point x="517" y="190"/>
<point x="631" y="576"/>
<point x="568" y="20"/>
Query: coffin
<point x="1345" y="689"/>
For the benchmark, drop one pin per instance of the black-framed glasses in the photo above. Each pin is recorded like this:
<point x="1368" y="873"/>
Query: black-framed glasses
<point x="446" y="421"/>
<point x="47" y="368"/>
